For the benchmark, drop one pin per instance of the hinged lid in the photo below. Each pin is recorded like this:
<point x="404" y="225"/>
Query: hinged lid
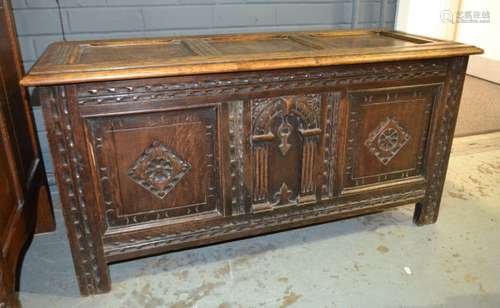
<point x="85" y="61"/>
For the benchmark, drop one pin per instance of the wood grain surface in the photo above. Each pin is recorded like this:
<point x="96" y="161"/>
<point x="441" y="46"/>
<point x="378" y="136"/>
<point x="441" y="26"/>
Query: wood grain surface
<point x="80" y="61"/>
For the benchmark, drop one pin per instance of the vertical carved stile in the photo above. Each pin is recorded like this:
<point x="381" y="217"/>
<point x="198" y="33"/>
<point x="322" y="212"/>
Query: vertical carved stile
<point x="236" y="157"/>
<point x="427" y="211"/>
<point x="211" y="164"/>
<point x="330" y="144"/>
<point x="92" y="277"/>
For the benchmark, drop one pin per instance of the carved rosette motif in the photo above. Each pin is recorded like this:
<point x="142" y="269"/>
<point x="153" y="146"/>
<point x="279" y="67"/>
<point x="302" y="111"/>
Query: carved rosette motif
<point x="158" y="169"/>
<point x="305" y="109"/>
<point x="387" y="139"/>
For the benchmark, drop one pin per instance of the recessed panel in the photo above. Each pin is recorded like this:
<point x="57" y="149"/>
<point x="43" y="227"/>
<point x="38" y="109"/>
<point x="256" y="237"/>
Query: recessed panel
<point x="387" y="133"/>
<point x="130" y="53"/>
<point x="163" y="165"/>
<point x="259" y="46"/>
<point x="363" y="41"/>
<point x="285" y="138"/>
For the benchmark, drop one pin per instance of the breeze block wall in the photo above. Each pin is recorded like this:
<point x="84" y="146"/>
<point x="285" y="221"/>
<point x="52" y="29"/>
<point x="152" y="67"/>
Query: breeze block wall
<point x="40" y="22"/>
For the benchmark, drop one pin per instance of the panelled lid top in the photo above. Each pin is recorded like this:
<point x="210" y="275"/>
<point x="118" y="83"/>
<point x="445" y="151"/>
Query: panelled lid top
<point x="85" y="61"/>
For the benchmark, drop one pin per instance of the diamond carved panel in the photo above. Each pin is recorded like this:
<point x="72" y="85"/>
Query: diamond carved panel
<point x="158" y="169"/>
<point x="386" y="140"/>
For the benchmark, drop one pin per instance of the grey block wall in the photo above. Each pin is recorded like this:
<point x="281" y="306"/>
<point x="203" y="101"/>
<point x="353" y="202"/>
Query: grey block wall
<point x="40" y="22"/>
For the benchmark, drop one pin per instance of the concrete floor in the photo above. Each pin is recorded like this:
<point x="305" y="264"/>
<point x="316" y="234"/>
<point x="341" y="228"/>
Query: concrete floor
<point x="381" y="260"/>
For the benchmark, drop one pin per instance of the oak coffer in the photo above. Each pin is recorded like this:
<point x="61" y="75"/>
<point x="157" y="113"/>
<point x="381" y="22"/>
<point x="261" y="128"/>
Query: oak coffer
<point x="168" y="143"/>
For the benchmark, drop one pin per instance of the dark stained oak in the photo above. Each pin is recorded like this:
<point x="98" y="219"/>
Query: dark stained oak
<point x="240" y="135"/>
<point x="25" y="205"/>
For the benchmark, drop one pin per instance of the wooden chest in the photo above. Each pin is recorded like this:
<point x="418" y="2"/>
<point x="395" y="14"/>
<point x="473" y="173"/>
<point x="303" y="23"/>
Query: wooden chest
<point x="164" y="144"/>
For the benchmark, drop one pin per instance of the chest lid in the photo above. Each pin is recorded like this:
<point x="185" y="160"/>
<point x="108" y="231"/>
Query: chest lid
<point x="86" y="61"/>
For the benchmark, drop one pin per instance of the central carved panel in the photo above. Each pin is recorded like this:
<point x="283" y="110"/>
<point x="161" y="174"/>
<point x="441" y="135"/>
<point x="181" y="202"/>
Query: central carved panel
<point x="285" y="136"/>
<point x="158" y="169"/>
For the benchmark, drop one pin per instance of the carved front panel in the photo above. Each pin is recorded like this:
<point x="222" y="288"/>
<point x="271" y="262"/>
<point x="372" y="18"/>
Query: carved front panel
<point x="285" y="138"/>
<point x="156" y="166"/>
<point x="388" y="133"/>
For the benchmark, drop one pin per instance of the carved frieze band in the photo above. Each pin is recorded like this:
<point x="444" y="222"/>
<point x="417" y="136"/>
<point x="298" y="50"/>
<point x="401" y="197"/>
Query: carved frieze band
<point x="161" y="239"/>
<point x="70" y="185"/>
<point x="249" y="83"/>
<point x="446" y="126"/>
<point x="305" y="109"/>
